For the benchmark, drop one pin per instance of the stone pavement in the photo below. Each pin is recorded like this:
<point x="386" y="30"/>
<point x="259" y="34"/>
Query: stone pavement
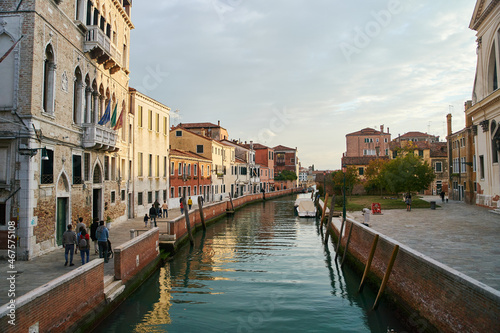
<point x="461" y="236"/>
<point x="40" y="270"/>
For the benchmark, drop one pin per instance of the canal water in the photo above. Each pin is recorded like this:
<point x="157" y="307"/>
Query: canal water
<point x="261" y="270"/>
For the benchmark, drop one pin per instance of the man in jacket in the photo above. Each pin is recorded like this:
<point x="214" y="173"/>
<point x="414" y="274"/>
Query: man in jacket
<point x="152" y="214"/>
<point x="102" y="235"/>
<point x="69" y="243"/>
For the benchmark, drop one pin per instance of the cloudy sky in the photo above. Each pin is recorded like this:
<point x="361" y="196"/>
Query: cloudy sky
<point x="304" y="73"/>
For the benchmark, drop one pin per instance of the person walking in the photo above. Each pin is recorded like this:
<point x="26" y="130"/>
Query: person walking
<point x="84" y="245"/>
<point x="69" y="242"/>
<point x="157" y="207"/>
<point x="146" y="219"/>
<point x="80" y="225"/>
<point x="408" y="202"/>
<point x="165" y="208"/>
<point x="442" y="196"/>
<point x="102" y="235"/>
<point x="190" y="203"/>
<point x="182" y="207"/>
<point x="152" y="214"/>
<point x="93" y="229"/>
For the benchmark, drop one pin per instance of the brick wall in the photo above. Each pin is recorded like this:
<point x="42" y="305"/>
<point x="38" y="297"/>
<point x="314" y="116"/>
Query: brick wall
<point x="132" y="256"/>
<point x="427" y="289"/>
<point x="56" y="306"/>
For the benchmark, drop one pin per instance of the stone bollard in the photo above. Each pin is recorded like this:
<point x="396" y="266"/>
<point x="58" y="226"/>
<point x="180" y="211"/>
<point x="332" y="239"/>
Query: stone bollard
<point x="132" y="233"/>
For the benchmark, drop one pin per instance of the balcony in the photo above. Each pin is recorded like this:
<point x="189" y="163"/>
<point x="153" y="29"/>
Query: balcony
<point x="99" y="137"/>
<point x="101" y="49"/>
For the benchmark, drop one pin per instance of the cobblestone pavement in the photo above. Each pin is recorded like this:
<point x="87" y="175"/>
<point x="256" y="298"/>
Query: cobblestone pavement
<point x="42" y="269"/>
<point x="461" y="236"/>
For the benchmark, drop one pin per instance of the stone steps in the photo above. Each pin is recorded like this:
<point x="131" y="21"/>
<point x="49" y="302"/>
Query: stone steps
<point x="112" y="288"/>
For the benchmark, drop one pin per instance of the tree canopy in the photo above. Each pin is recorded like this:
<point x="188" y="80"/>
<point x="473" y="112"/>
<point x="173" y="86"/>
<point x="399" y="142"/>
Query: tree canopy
<point x="351" y="179"/>
<point x="286" y="175"/>
<point x="407" y="173"/>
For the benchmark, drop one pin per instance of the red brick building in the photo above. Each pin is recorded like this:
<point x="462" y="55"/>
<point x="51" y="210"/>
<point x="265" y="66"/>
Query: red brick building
<point x="286" y="159"/>
<point x="367" y="142"/>
<point x="264" y="156"/>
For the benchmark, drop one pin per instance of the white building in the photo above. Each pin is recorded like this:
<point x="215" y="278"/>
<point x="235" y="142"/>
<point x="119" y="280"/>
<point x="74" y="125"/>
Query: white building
<point x="485" y="109"/>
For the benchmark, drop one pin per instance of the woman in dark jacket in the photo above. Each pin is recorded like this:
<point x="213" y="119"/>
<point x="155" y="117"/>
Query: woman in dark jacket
<point x="93" y="229"/>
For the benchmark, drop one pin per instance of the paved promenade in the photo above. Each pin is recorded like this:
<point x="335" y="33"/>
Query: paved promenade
<point x="461" y="236"/>
<point x="40" y="270"/>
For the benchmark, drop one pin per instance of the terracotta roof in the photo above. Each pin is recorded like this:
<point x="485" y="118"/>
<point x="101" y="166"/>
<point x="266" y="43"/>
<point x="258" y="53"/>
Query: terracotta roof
<point x="366" y="131"/>
<point x="361" y="160"/>
<point x="416" y="135"/>
<point x="198" y="125"/>
<point x="255" y="146"/>
<point x="439" y="149"/>
<point x="182" y="153"/>
<point x="280" y="147"/>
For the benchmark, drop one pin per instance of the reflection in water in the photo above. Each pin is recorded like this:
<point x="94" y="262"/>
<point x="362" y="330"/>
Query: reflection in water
<point x="262" y="269"/>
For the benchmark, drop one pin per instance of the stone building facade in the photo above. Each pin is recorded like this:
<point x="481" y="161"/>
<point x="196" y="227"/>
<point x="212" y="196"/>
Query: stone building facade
<point x="485" y="110"/>
<point x="67" y="66"/>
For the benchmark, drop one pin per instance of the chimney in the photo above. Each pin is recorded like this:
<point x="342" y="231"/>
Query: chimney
<point x="448" y="122"/>
<point x="387" y="130"/>
<point x="251" y="145"/>
<point x="468" y="118"/>
<point x="218" y="123"/>
<point x="381" y="128"/>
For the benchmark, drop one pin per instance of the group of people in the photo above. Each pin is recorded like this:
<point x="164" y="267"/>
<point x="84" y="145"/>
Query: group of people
<point x="156" y="211"/>
<point x="80" y="240"/>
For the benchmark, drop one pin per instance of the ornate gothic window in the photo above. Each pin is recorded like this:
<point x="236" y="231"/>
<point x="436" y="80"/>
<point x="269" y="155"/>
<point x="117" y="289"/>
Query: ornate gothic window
<point x="49" y="68"/>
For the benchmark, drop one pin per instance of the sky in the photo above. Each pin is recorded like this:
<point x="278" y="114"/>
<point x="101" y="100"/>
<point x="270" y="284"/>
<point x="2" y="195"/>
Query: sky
<point x="304" y="73"/>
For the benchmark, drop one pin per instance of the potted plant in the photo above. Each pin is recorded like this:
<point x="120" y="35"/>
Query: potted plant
<point x="108" y="222"/>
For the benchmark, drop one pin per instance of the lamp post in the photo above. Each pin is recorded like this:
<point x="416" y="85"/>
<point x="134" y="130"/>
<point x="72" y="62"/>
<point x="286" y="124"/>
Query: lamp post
<point x="343" y="192"/>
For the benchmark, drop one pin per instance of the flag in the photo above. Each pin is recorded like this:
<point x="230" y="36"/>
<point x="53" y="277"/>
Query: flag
<point x="113" y="116"/>
<point x="119" y="122"/>
<point x="105" y="116"/>
<point x="10" y="50"/>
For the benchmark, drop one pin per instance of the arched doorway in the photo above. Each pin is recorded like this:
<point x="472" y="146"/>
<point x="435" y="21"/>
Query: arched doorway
<point x="97" y="193"/>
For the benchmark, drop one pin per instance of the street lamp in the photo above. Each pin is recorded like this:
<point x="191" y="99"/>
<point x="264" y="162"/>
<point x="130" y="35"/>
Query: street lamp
<point x="343" y="206"/>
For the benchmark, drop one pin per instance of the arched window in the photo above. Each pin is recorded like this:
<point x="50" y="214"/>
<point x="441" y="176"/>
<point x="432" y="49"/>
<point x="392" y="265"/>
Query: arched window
<point x="77" y="96"/>
<point x="7" y="72"/>
<point x="492" y="71"/>
<point x="48" y="80"/>
<point x="125" y="54"/>
<point x="87" y="107"/>
<point x="97" y="178"/>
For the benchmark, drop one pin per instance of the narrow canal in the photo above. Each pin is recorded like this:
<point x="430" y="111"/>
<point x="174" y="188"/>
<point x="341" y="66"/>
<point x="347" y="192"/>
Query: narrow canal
<point x="261" y="270"/>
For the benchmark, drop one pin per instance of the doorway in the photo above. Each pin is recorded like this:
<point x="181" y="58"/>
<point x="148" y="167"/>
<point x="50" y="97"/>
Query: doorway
<point x="96" y="203"/>
<point x="61" y="219"/>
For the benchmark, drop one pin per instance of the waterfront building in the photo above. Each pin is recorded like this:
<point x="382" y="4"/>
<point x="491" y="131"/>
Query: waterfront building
<point x="190" y="174"/>
<point x="264" y="157"/>
<point x="462" y="161"/>
<point x="210" y="130"/>
<point x="147" y="157"/>
<point x="286" y="159"/>
<point x="64" y="116"/>
<point x="228" y="166"/>
<point x="485" y="109"/>
<point x="246" y="170"/>
<point x="416" y="136"/>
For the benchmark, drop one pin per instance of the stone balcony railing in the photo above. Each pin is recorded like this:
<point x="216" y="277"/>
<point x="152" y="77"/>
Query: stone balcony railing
<point x="98" y="44"/>
<point x="99" y="137"/>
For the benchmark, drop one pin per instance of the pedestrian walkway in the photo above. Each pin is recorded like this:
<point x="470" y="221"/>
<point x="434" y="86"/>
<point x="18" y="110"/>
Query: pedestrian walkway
<point x="42" y="269"/>
<point x="461" y="236"/>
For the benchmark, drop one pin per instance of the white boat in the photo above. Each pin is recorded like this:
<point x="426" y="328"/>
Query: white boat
<point x="305" y="207"/>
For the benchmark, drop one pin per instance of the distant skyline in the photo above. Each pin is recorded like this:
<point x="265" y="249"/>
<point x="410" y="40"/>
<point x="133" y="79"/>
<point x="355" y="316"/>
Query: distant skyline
<point x="306" y="73"/>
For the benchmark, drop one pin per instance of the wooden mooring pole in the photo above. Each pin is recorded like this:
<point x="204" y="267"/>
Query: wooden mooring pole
<point x="186" y="216"/>
<point x="340" y="238"/>
<point x="346" y="244"/>
<point x="324" y="209"/>
<point x="386" y="276"/>
<point x="368" y="263"/>
<point x="330" y="217"/>
<point x="231" y="200"/>
<point x="202" y="216"/>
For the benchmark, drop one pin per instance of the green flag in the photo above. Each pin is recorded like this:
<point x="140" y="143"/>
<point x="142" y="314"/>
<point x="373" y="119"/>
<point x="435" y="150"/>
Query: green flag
<point x="113" y="117"/>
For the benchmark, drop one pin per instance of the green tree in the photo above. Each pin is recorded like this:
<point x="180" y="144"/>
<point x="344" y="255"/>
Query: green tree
<point x="374" y="174"/>
<point x="286" y="175"/>
<point x="407" y="173"/>
<point x="351" y="179"/>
